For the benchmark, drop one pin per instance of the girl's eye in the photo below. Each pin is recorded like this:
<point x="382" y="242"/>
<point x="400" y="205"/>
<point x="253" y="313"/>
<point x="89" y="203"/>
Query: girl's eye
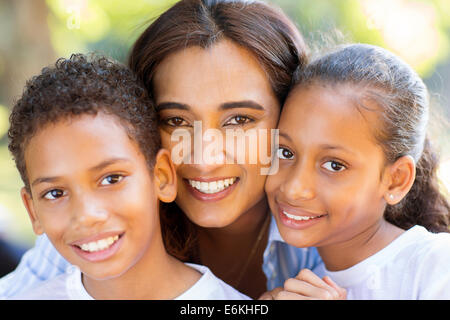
<point x="333" y="166"/>
<point x="112" y="179"/>
<point x="54" y="194"/>
<point x="284" y="153"/>
<point x="176" y="122"/>
<point x="238" y="120"/>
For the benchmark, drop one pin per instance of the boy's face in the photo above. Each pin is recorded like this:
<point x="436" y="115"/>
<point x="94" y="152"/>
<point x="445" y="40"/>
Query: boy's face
<point x="92" y="194"/>
<point x="329" y="185"/>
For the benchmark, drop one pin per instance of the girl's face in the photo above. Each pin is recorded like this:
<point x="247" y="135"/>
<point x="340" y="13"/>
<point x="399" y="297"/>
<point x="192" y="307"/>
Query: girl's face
<point x="329" y="185"/>
<point x="224" y="88"/>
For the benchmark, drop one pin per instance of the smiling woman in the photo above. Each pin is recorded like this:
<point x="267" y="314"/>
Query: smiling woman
<point x="229" y="65"/>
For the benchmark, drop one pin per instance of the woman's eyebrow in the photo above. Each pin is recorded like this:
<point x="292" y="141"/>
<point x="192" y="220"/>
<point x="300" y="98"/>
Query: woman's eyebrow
<point x="241" y="104"/>
<point x="172" y="105"/>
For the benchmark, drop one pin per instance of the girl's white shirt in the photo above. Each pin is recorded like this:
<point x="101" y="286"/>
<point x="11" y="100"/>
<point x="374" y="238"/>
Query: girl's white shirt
<point x="416" y="265"/>
<point x="69" y="286"/>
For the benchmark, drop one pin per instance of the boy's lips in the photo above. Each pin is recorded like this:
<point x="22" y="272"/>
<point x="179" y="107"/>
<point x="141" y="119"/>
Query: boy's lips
<point x="212" y="188"/>
<point x="98" y="247"/>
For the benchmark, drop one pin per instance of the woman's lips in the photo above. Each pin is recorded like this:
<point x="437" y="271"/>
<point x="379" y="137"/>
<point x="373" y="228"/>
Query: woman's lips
<point x="297" y="218"/>
<point x="211" y="189"/>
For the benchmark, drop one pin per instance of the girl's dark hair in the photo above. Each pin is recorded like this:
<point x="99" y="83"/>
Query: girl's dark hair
<point x="403" y="98"/>
<point x="83" y="85"/>
<point x="262" y="29"/>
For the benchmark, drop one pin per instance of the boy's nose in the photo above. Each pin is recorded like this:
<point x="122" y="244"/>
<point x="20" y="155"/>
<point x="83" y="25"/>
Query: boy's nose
<point x="88" y="212"/>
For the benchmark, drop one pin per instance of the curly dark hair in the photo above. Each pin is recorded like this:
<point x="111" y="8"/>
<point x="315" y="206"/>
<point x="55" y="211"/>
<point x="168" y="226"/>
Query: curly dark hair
<point x="83" y="84"/>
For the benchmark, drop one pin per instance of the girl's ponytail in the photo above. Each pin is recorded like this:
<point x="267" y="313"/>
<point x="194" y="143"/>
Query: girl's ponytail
<point x="403" y="103"/>
<point x="424" y="205"/>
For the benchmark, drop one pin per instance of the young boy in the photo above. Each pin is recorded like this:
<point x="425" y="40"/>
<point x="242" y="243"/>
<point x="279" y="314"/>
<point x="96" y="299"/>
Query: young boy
<point x="85" y="140"/>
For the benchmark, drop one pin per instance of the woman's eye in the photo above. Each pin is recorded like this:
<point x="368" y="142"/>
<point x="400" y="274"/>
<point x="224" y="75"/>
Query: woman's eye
<point x="54" y="194"/>
<point x="333" y="166"/>
<point x="112" y="179"/>
<point x="176" y="122"/>
<point x="238" y="120"/>
<point x="284" y="153"/>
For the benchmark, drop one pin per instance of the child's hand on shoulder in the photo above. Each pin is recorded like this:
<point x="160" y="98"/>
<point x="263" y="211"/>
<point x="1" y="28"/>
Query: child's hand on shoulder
<point x="307" y="286"/>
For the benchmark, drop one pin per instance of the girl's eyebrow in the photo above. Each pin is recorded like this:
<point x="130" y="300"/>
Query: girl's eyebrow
<point x="335" y="147"/>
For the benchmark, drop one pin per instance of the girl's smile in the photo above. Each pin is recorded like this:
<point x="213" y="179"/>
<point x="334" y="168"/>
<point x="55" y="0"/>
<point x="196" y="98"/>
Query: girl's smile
<point x="329" y="188"/>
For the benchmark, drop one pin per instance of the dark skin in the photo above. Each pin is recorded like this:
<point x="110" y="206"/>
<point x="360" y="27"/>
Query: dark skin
<point x="210" y="85"/>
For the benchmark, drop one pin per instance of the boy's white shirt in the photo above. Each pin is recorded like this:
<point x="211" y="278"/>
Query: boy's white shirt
<point x="416" y="265"/>
<point x="69" y="286"/>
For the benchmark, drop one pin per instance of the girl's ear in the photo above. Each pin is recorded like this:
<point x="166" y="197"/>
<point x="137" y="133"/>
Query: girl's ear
<point x="401" y="176"/>
<point x="165" y="176"/>
<point x="28" y="202"/>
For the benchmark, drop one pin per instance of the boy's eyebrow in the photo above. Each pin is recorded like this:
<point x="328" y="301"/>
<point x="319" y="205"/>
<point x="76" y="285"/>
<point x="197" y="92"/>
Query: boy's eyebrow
<point x="108" y="162"/>
<point x="97" y="167"/>
<point x="44" y="179"/>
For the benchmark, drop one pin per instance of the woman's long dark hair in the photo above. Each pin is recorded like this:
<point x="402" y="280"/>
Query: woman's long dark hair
<point x="262" y="29"/>
<point x="404" y="100"/>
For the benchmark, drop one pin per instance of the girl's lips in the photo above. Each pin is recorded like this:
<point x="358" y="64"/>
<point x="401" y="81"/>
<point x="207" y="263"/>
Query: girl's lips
<point x="210" y="197"/>
<point x="100" y="255"/>
<point x="297" y="218"/>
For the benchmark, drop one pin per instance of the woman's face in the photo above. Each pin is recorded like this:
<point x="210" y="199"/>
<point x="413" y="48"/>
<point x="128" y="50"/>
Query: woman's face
<point x="223" y="88"/>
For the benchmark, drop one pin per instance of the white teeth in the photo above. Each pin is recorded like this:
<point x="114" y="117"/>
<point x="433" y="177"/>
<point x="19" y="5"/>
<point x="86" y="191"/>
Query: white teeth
<point x="99" y="245"/>
<point x="213" y="186"/>
<point x="300" y="218"/>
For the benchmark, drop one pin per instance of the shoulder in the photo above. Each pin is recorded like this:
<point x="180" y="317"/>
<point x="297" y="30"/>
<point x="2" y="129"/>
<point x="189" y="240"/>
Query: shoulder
<point x="53" y="289"/>
<point x="209" y="287"/>
<point x="430" y="263"/>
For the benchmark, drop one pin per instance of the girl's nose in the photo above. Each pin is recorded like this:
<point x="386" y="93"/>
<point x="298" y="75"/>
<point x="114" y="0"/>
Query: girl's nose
<point x="300" y="184"/>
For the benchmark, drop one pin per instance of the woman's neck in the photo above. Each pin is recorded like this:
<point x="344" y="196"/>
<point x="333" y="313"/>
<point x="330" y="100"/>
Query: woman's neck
<point x="156" y="275"/>
<point x="243" y="230"/>
<point x="235" y="253"/>
<point x="347" y="253"/>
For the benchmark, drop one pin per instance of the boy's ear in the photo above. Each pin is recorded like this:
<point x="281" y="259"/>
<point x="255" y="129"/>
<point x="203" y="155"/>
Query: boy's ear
<point x="28" y="202"/>
<point x="165" y="176"/>
<point x="401" y="176"/>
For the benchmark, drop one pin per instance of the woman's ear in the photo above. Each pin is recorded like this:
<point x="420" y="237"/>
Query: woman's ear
<point x="28" y="202"/>
<point x="401" y="176"/>
<point x="165" y="176"/>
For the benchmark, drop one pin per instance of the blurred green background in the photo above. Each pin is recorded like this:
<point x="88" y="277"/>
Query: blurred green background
<point x="33" y="33"/>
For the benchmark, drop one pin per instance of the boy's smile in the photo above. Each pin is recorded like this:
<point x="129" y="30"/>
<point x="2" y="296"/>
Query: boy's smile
<point x="92" y="193"/>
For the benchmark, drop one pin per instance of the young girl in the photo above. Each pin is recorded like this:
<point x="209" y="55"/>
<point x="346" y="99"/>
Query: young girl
<point x="357" y="180"/>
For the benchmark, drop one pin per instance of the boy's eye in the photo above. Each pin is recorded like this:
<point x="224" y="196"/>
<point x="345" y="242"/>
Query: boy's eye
<point x="284" y="153"/>
<point x="333" y="166"/>
<point x="54" y="194"/>
<point x="238" y="120"/>
<point x="112" y="179"/>
<point x="176" y="122"/>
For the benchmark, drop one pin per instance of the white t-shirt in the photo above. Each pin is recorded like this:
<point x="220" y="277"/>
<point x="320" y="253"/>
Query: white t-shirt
<point x="416" y="265"/>
<point x="69" y="286"/>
